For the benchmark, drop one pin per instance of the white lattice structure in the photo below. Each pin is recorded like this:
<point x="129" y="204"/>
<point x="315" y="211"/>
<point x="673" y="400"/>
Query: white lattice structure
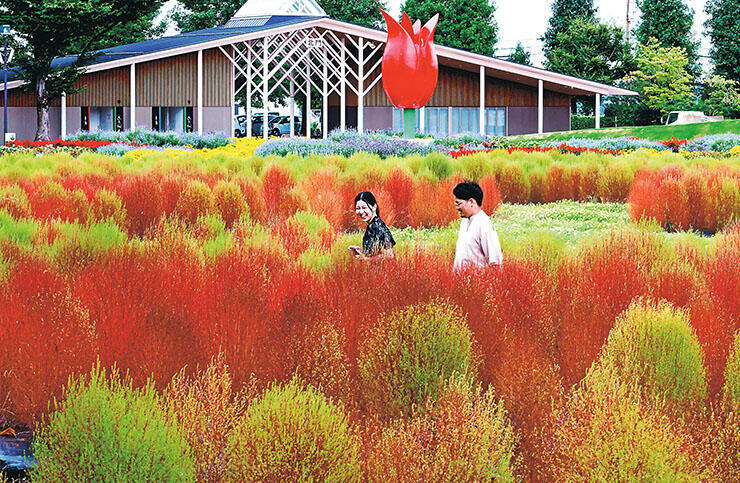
<point x="305" y="62"/>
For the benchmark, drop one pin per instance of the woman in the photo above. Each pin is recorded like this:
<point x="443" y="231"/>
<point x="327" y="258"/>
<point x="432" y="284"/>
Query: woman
<point x="377" y="241"/>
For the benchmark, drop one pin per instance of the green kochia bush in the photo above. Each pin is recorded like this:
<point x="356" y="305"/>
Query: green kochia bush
<point x="406" y="355"/>
<point x="106" y="431"/>
<point x="732" y="374"/>
<point x="654" y="349"/>
<point x="293" y="433"/>
<point x="605" y="433"/>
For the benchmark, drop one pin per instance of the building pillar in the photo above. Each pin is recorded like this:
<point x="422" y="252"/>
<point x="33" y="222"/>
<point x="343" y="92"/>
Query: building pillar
<point x="361" y="87"/>
<point x="308" y="95"/>
<point x="233" y="95"/>
<point x="249" y="93"/>
<point x="482" y="109"/>
<point x="132" y="88"/>
<point x="342" y="93"/>
<point x="200" y="92"/>
<point x="292" y="106"/>
<point x="325" y="99"/>
<point x="64" y="116"/>
<point x="422" y="115"/>
<point x="265" y="85"/>
<point x="597" y="111"/>
<point x="449" y="120"/>
<point x="540" y="107"/>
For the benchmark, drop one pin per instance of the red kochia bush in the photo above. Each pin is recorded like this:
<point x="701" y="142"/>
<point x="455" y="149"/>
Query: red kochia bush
<point x="324" y="194"/>
<point x="280" y="202"/>
<point x="47" y="335"/>
<point x="400" y="187"/>
<point x="52" y="201"/>
<point x="491" y="194"/>
<point x="681" y="199"/>
<point x="509" y="315"/>
<point x="142" y="303"/>
<point x="141" y="196"/>
<point x="591" y="290"/>
<point x="715" y="314"/>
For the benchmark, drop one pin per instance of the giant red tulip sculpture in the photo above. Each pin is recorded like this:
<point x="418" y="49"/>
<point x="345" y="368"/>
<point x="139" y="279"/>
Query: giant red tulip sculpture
<point x="410" y="66"/>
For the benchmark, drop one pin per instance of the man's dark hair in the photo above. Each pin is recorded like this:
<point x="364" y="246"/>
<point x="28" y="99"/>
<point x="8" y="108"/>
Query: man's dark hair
<point x="467" y="190"/>
<point x="368" y="198"/>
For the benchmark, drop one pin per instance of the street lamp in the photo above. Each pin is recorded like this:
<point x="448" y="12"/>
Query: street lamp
<point x="5" y="31"/>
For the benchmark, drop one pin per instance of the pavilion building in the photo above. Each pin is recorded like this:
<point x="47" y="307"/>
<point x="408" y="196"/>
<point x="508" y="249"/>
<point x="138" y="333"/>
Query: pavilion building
<point x="191" y="82"/>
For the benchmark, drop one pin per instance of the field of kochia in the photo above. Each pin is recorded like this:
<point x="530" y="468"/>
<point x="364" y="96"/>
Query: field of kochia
<point x="182" y="317"/>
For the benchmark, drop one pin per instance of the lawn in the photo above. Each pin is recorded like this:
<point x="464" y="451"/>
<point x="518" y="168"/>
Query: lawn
<point x="653" y="133"/>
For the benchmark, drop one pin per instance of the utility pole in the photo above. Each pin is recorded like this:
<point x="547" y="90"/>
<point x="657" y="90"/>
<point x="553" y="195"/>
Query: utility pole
<point x="5" y="31"/>
<point x="627" y="30"/>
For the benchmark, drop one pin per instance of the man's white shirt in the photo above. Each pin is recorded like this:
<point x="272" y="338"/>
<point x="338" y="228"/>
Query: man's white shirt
<point x="477" y="243"/>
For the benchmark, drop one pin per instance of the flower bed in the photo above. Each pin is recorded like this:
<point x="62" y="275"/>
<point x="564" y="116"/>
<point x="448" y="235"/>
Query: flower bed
<point x="155" y="138"/>
<point x="348" y="143"/>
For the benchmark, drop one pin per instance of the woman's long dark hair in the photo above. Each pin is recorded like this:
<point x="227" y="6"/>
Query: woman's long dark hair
<point x="368" y="198"/>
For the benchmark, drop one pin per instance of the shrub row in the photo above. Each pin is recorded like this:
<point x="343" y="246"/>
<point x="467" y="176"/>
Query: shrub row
<point x="638" y="414"/>
<point x="684" y="199"/>
<point x="534" y="329"/>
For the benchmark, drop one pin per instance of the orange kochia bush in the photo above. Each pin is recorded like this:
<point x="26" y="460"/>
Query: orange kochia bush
<point x="682" y="198"/>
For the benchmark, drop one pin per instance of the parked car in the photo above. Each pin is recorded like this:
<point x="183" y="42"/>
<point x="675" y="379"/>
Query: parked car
<point x="240" y="126"/>
<point x="281" y="126"/>
<point x="257" y="122"/>
<point x="688" y="117"/>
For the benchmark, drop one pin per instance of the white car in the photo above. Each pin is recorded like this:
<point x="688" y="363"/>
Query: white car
<point x="688" y="117"/>
<point x="281" y="126"/>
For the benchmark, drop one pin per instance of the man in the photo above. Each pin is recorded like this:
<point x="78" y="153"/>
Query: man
<point x="477" y="242"/>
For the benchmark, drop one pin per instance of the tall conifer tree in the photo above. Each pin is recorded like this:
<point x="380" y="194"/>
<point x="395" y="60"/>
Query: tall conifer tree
<point x="563" y="13"/>
<point x="670" y="22"/>
<point x="468" y="25"/>
<point x="723" y="27"/>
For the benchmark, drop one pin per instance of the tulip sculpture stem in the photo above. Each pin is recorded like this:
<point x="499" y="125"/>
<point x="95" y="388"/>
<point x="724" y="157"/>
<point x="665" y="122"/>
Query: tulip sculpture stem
<point x="409" y="123"/>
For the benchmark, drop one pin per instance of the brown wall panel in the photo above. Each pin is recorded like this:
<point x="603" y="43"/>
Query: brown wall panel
<point x="104" y="88"/>
<point x="18" y="98"/>
<point x="461" y="88"/>
<point x="170" y="82"/>
<point x="216" y="79"/>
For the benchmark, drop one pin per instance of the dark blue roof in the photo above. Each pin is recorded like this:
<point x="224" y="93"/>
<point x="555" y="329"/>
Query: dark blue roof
<point x="173" y="42"/>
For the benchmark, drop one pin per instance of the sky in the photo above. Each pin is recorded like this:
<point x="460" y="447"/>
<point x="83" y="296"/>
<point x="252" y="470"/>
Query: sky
<point x="526" y="20"/>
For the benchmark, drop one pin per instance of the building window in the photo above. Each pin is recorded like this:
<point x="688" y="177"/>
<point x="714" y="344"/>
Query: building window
<point x="465" y="120"/>
<point x="398" y="119"/>
<point x="101" y="118"/>
<point x="435" y="120"/>
<point x="496" y="121"/>
<point x="177" y="119"/>
<point x="85" y="118"/>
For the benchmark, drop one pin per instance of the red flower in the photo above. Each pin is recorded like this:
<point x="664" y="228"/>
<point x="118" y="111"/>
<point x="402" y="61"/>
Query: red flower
<point x="410" y="65"/>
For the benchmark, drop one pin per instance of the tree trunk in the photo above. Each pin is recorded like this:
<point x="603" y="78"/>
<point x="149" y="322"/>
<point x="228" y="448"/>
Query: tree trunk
<point x="42" y="112"/>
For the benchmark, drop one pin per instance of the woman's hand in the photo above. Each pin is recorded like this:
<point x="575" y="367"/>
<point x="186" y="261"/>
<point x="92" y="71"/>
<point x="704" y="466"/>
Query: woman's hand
<point x="356" y="252"/>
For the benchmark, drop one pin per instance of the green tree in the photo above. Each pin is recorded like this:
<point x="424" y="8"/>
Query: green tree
<point x="191" y="15"/>
<point x="563" y="13"/>
<point x="468" y="25"/>
<point x="519" y="55"/>
<point x="591" y="50"/>
<point x="662" y="77"/>
<point x="723" y="28"/>
<point x="360" y="12"/>
<point x="139" y="29"/>
<point x="722" y="96"/>
<point x="670" y="22"/>
<point x="55" y="28"/>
